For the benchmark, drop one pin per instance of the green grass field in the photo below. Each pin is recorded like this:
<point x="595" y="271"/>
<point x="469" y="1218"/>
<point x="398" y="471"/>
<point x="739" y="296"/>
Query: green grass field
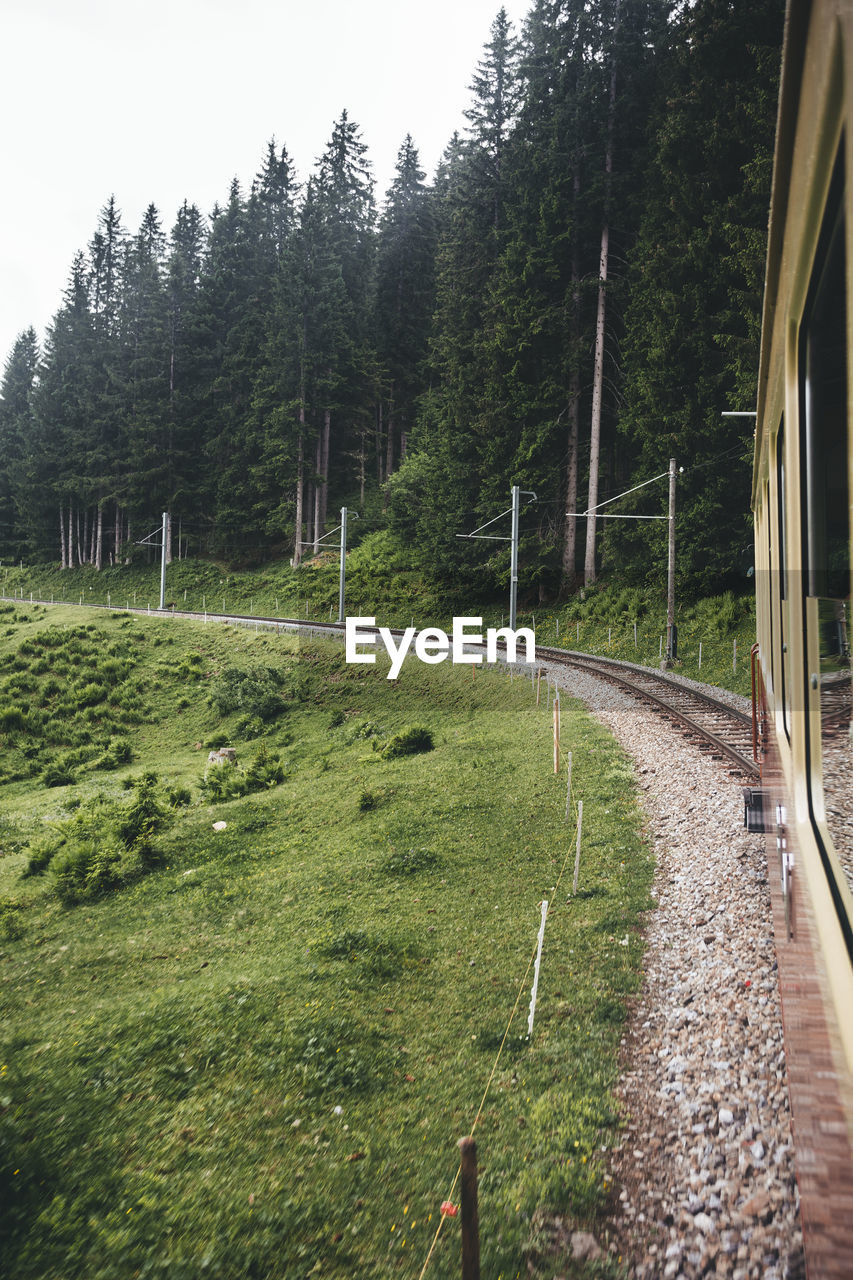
<point x="251" y="1052"/>
<point x="714" y="635"/>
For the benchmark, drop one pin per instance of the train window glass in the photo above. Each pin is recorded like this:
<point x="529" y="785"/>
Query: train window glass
<point x="825" y="446"/>
<point x="784" y="681"/>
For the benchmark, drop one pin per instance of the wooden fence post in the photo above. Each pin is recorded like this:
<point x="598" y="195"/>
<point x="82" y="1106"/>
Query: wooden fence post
<point x="568" y="786"/>
<point x="556" y="734"/>
<point x="469" y="1210"/>
<point x="578" y="848"/>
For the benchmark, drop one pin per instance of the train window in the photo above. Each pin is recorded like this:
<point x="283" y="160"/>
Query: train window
<point x="826" y="519"/>
<point x="784" y="681"/>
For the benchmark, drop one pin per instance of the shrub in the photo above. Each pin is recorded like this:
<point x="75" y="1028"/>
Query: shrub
<point x="249" y="727"/>
<point x="12" y="719"/>
<point x="105" y="843"/>
<point x="59" y="773"/>
<point x="145" y="816"/>
<point x="222" y="781"/>
<point x="265" y="771"/>
<point x="191" y="666"/>
<point x="86" y="869"/>
<point x="255" y="691"/>
<point x="409" y="742"/>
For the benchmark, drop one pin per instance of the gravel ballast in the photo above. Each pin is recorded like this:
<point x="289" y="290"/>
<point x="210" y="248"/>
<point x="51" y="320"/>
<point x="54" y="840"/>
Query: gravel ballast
<point x="704" y="1177"/>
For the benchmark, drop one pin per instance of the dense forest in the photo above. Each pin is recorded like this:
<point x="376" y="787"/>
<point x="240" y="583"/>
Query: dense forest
<point x="573" y="299"/>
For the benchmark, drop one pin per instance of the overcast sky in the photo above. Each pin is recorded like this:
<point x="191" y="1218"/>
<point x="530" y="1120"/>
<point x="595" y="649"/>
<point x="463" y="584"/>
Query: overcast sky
<point x="162" y="100"/>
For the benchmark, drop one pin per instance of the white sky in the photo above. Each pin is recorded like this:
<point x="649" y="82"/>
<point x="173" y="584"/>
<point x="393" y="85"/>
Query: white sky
<point x="161" y="100"/>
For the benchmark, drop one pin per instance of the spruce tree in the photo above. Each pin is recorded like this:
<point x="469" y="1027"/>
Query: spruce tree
<point x="695" y="280"/>
<point x="404" y="301"/>
<point x="16" y="443"/>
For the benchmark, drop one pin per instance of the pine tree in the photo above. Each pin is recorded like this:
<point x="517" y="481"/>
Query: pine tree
<point x="405" y="299"/>
<point x="16" y="435"/>
<point x="695" y="278"/>
<point x="64" y="403"/>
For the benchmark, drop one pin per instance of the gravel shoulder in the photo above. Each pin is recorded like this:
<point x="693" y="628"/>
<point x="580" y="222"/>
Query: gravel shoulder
<point x="705" y="1173"/>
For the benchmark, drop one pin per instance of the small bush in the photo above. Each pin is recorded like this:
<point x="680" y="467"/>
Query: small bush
<point x="86" y="869"/>
<point x="367" y="800"/>
<point x="42" y="851"/>
<point x="59" y="773"/>
<point x="265" y="771"/>
<point x="249" y="727"/>
<point x="222" y="781"/>
<point x="12" y="719"/>
<point x="367" y="729"/>
<point x="409" y="742"/>
<point x="255" y="691"/>
<point x="105" y="844"/>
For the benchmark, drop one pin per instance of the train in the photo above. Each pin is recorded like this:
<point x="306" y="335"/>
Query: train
<point x="802" y="690"/>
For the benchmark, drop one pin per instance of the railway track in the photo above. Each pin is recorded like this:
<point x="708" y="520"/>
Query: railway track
<point x="720" y="730"/>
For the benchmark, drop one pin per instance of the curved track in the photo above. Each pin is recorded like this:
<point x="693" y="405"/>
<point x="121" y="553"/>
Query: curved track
<point x="721" y="729"/>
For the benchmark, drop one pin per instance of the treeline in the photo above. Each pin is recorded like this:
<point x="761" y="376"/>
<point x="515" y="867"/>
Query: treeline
<point x="573" y="299"/>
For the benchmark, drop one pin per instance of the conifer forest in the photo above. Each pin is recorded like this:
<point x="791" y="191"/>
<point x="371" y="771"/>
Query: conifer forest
<point x="570" y="300"/>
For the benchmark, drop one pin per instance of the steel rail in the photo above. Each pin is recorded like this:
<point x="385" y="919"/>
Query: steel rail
<point x="637" y="681"/>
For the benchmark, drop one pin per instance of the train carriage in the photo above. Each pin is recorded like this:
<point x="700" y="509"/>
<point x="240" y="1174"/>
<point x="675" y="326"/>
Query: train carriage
<point x="802" y="491"/>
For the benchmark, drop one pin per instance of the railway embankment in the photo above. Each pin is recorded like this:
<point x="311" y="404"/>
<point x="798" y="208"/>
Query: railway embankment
<point x="705" y="1176"/>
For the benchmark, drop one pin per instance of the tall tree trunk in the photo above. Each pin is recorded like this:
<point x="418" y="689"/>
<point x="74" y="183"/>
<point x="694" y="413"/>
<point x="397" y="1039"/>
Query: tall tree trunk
<point x="99" y="538"/>
<point x="362" y="461"/>
<point x="379" y="454"/>
<point x="389" y="442"/>
<point x="324" y="467"/>
<point x="595" y="425"/>
<point x="309" y="514"/>
<point x="318" y="485"/>
<point x="300" y="483"/>
<point x="570" y="535"/>
<point x="117" y="535"/>
<point x="598" y="369"/>
<point x="62" y="537"/>
<point x="70" y="535"/>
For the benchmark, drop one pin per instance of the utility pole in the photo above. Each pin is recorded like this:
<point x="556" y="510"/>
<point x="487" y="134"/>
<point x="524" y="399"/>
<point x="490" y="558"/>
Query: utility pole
<point x="163" y="562"/>
<point x="671" y="629"/>
<point x="512" y="540"/>
<point x="342" y="586"/>
<point x="513" y="571"/>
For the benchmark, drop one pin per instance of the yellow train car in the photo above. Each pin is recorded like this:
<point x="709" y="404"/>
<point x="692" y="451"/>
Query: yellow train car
<point x="802" y="496"/>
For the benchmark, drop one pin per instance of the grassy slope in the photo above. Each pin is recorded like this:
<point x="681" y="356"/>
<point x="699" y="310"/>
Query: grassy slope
<point x="175" y="1051"/>
<point x="382" y="582"/>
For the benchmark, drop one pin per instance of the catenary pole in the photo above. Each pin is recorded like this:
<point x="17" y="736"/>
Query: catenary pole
<point x="163" y="563"/>
<point x="671" y="634"/>
<point x="513" y="572"/>
<point x="342" y="586"/>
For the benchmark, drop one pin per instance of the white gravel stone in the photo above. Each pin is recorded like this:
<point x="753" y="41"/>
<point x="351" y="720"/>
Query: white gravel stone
<point x="703" y="1056"/>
